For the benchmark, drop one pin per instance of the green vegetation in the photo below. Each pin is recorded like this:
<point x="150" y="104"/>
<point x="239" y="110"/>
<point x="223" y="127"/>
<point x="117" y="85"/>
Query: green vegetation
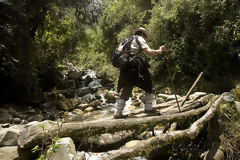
<point x="45" y="152"/>
<point x="41" y="35"/>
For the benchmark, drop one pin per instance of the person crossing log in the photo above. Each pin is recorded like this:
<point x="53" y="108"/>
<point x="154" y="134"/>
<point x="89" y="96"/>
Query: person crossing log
<point x="31" y="136"/>
<point x="134" y="70"/>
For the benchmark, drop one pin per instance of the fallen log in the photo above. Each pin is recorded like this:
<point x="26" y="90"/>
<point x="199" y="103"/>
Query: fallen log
<point x="146" y="146"/>
<point x="188" y="106"/>
<point x="33" y="134"/>
<point x="171" y="106"/>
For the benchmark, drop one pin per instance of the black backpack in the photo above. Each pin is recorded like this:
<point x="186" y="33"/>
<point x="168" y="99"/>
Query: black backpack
<point x="122" y="53"/>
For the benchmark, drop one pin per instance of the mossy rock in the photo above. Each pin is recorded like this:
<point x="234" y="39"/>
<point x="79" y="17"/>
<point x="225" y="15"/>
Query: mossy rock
<point x="67" y="104"/>
<point x="236" y="92"/>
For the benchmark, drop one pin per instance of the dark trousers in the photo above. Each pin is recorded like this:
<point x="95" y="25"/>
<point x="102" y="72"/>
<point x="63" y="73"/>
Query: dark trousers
<point x="142" y="80"/>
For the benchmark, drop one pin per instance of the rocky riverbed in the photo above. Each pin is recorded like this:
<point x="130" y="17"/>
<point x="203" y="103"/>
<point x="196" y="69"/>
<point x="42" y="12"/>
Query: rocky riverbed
<point x="81" y="95"/>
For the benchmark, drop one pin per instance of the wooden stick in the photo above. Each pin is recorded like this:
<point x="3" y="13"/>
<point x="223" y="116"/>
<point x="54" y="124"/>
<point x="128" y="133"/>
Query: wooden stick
<point x="190" y="90"/>
<point x="170" y="77"/>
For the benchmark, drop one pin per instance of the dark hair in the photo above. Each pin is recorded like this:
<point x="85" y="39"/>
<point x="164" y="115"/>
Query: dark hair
<point x="140" y="33"/>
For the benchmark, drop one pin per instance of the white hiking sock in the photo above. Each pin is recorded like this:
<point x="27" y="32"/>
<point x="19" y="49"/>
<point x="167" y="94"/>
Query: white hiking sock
<point x="119" y="107"/>
<point x="148" y="101"/>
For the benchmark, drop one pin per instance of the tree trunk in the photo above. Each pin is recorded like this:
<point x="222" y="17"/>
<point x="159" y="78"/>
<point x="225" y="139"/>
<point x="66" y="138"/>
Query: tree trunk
<point x="146" y="146"/>
<point x="33" y="134"/>
<point x="145" y="4"/>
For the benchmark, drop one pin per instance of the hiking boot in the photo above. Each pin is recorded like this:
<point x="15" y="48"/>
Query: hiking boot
<point x="120" y="116"/>
<point x="152" y="112"/>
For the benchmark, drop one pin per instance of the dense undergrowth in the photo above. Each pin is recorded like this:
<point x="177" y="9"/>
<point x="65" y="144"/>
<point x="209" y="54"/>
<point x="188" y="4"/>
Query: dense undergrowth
<point x="41" y="35"/>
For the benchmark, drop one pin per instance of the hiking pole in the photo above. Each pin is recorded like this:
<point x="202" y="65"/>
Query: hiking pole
<point x="170" y="77"/>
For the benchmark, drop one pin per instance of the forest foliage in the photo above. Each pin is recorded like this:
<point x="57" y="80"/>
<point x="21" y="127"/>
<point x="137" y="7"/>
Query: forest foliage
<point x="39" y="35"/>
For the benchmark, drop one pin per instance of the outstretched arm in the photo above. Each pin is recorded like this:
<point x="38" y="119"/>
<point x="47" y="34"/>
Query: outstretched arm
<point x="152" y="52"/>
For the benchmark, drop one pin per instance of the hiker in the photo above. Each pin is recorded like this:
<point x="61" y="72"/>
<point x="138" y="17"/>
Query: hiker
<point x="136" y="73"/>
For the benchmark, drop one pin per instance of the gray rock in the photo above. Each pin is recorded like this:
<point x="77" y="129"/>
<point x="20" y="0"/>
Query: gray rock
<point x="33" y="130"/>
<point x="5" y="116"/>
<point x="110" y="97"/>
<point x="227" y="96"/>
<point x="78" y="111"/>
<point x="83" y="91"/>
<point x="89" y="98"/>
<point x="24" y="121"/>
<point x="36" y="117"/>
<point x="95" y="84"/>
<point x="9" y="136"/>
<point x="16" y="120"/>
<point x="9" y="153"/>
<point x="95" y="104"/>
<point x="67" y="104"/>
<point x="75" y="75"/>
<point x="83" y="106"/>
<point x="70" y="117"/>
<point x="66" y="150"/>
<point x="81" y="155"/>
<point x="237" y="105"/>
<point x="89" y="109"/>
<point x="13" y="111"/>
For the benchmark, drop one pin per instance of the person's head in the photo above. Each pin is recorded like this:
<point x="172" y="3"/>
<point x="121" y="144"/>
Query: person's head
<point x="141" y="32"/>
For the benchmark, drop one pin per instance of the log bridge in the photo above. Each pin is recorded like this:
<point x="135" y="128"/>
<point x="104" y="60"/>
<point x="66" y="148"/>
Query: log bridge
<point x="201" y="110"/>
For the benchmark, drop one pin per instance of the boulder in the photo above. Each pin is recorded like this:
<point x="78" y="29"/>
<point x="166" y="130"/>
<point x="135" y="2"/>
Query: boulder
<point x="94" y="85"/>
<point x="9" y="136"/>
<point x="83" y="91"/>
<point x="83" y="106"/>
<point x="70" y="117"/>
<point x="237" y="103"/>
<point x="66" y="84"/>
<point x="13" y="111"/>
<point x="78" y="111"/>
<point x="67" y="104"/>
<point x="98" y="95"/>
<point x="89" y="109"/>
<point x="81" y="155"/>
<point x="95" y="104"/>
<point x="110" y="97"/>
<point x="5" y="116"/>
<point x="36" y="117"/>
<point x="228" y="97"/>
<point x="75" y="75"/>
<point x="89" y="98"/>
<point x="66" y="150"/>
<point x="33" y="130"/>
<point x="9" y="153"/>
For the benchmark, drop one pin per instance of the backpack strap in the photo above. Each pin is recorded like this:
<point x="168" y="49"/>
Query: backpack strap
<point x="138" y="42"/>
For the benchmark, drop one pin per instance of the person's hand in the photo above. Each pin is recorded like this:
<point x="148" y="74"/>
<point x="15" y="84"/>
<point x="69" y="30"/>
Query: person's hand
<point x="162" y="49"/>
